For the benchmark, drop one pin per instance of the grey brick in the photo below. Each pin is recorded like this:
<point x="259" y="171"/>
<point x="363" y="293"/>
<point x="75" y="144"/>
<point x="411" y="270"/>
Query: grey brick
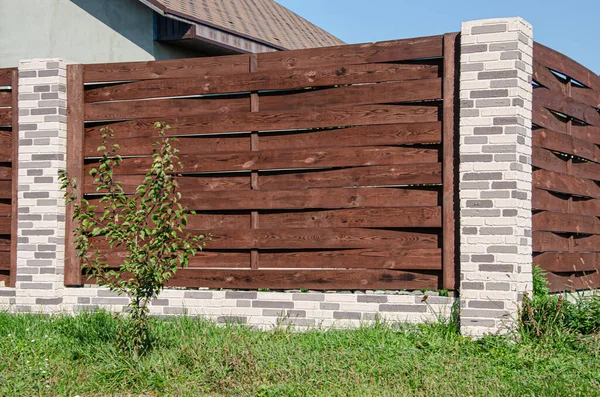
<point x="504" y="185"/>
<point x="476" y="158"/>
<point x="47" y="203"/>
<point x="28" y="74"/>
<point x="503" y="157"/>
<point x="104" y="293"/>
<point x="160" y="302"/>
<point x="24" y="277"/>
<point x="41" y="134"/>
<point x="472" y="67"/>
<point x="42" y="141"/>
<point x="8" y="292"/>
<point x="504" y="46"/>
<point x="482" y="258"/>
<point x="50" y="247"/>
<point x="47" y="73"/>
<point x="85" y="308"/>
<point x="51" y="103"/>
<point x="346" y="315"/>
<point x="27" y="127"/>
<point x="482" y="176"/>
<point x="496" y="268"/>
<point x="198" y="295"/>
<point x="509" y="212"/>
<point x="508" y="83"/>
<point x="470" y="49"/>
<point x="370" y="316"/>
<point x="519" y="195"/>
<point x="83" y="300"/>
<point x="243" y="303"/>
<point x="38" y="232"/>
<point x="309" y="297"/>
<point x="496" y="194"/>
<point x="403" y="308"/>
<point x="37" y="286"/>
<point x="488" y="213"/>
<point x="23" y="309"/>
<point x="32" y="172"/>
<point x="28" y="97"/>
<point x="298" y="322"/>
<point x="43" y="111"/>
<point x="505" y="120"/>
<point x="43" y="179"/>
<point x="372" y="298"/>
<point x="478" y="140"/>
<point x="283" y="313"/>
<point x="25" y="225"/>
<point x="478" y="286"/>
<point x="48" y="270"/>
<point x="497" y="286"/>
<point x="486" y="304"/>
<point x="502" y="249"/>
<point x="50" y="95"/>
<point x="479" y="203"/>
<point x="518" y="102"/>
<point x="52" y="65"/>
<point x="48" y="301"/>
<point x="489" y="94"/>
<point x="273" y="304"/>
<point x="465" y="103"/>
<point x="232" y="320"/>
<point x="36" y="194"/>
<point x="482" y="313"/>
<point x="240" y="295"/>
<point x="110" y="301"/>
<point x="499" y="148"/>
<point x="34" y="164"/>
<point x="474" y="185"/>
<point x="41" y="88"/>
<point x="469" y="112"/>
<point x="508" y="55"/>
<point x="524" y="39"/>
<point x="500" y="74"/>
<point x="173" y="310"/>
<point x="492" y="103"/>
<point x="329" y="306"/>
<point x="498" y="231"/>
<point x="498" y="28"/>
<point x="469" y="230"/>
<point x="39" y="262"/>
<point x="53" y="156"/>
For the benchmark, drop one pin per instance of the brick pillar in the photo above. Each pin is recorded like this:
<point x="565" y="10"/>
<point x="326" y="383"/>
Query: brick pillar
<point x="495" y="172"/>
<point x="42" y="151"/>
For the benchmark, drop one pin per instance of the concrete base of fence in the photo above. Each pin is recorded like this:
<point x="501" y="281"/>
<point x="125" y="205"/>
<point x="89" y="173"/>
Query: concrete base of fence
<point x="265" y="310"/>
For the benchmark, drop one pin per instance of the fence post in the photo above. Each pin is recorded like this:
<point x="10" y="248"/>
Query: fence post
<point x="495" y="172"/>
<point x="41" y="153"/>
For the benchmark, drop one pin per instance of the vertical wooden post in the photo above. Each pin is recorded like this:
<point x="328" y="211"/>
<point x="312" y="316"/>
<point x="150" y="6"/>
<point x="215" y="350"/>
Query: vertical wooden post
<point x="448" y="180"/>
<point x="254" y="106"/>
<point x="14" y="213"/>
<point x="75" y="130"/>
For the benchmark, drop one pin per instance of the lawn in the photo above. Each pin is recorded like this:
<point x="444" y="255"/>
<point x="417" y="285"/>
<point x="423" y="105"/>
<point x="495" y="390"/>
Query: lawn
<point x="71" y="356"/>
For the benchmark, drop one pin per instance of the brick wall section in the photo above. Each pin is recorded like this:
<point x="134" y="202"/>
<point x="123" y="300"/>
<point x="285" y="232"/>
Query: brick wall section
<point x="42" y="152"/>
<point x="495" y="172"/>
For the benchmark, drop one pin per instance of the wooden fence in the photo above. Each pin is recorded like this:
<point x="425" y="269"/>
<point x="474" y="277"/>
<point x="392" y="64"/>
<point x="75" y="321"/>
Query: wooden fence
<point x="8" y="190"/>
<point x="566" y="176"/>
<point x="324" y="168"/>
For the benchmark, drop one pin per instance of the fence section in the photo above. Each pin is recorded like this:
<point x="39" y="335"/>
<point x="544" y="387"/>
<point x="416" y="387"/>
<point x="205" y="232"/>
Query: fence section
<point x="566" y="176"/>
<point x="8" y="191"/>
<point x="318" y="168"/>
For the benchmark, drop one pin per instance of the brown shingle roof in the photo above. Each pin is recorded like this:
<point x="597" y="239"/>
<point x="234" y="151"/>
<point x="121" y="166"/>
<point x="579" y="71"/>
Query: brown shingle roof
<point x="264" y="20"/>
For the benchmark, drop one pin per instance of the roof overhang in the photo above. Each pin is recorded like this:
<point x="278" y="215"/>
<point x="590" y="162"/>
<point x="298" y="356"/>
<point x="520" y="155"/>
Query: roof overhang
<point x="203" y="35"/>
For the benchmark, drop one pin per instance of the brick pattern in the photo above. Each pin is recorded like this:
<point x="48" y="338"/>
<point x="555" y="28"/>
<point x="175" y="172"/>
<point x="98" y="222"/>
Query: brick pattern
<point x="263" y="310"/>
<point x="495" y="172"/>
<point x="42" y="152"/>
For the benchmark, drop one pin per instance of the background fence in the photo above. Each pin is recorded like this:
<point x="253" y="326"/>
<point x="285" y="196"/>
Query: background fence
<point x="566" y="176"/>
<point x="325" y="168"/>
<point x="8" y="153"/>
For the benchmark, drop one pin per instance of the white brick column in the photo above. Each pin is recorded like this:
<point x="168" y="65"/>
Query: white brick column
<point x="495" y="172"/>
<point x="42" y="152"/>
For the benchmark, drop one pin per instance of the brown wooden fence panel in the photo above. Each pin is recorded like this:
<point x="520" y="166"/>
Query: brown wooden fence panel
<point x="322" y="168"/>
<point x="8" y="173"/>
<point x="566" y="176"/>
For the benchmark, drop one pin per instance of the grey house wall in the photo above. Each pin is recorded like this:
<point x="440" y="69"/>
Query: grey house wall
<point x="82" y="31"/>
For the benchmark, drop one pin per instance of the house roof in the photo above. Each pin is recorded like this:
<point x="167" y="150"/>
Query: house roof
<point x="263" y="20"/>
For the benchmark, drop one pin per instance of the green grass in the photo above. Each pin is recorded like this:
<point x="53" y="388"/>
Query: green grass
<point x="71" y="356"/>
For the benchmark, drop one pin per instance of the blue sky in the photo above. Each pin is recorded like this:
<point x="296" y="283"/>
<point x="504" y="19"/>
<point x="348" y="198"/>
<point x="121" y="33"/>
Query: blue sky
<point x="569" y="26"/>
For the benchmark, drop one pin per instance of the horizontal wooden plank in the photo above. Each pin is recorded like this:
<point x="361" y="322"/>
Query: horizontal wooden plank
<point x="276" y="121"/>
<point x="573" y="282"/>
<point x="568" y="261"/>
<point x="5" y="99"/>
<point x="388" y="217"/>
<point x="312" y="239"/>
<point x="545" y="200"/>
<point x="585" y="95"/>
<point x="543" y="76"/>
<point x="385" y="175"/>
<point x="544" y="118"/>
<point x="565" y="65"/>
<point x="562" y="183"/>
<point x="554" y="161"/>
<point x="6" y="76"/>
<point x="173" y="68"/>
<point x="5" y="243"/>
<point x="5" y="146"/>
<point x="393" y="134"/>
<point x="4" y="261"/>
<point x="296" y="279"/>
<point x="5" y="172"/>
<point x="285" y="159"/>
<point x="554" y="101"/>
<point x="305" y="199"/>
<point x="403" y="259"/>
<point x="550" y="242"/>
<point x="388" y="51"/>
<point x="5" y="224"/>
<point x="311" y="279"/>
<point x="5" y="189"/>
<point x="279" y="80"/>
<point x="202" y="259"/>
<point x="210" y="182"/>
<point x="5" y="117"/>
<point x="564" y="143"/>
<point x="558" y="222"/>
